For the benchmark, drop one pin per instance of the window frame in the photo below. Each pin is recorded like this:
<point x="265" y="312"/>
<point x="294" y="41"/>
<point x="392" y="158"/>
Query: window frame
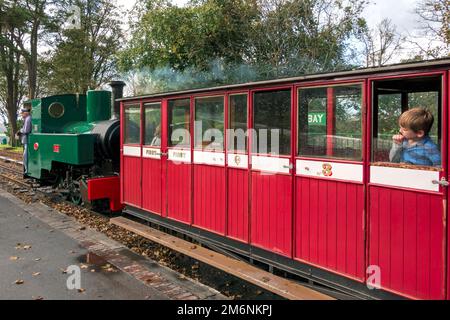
<point x="191" y="114"/>
<point x="194" y="119"/>
<point x="137" y="105"/>
<point x="444" y="116"/>
<point x="326" y="84"/>
<point x="251" y="114"/>
<point x="145" y="105"/>
<point x="228" y="119"/>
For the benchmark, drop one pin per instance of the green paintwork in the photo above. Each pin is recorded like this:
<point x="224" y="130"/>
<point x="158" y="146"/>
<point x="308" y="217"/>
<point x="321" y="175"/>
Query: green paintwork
<point x="78" y="127"/>
<point x="98" y="105"/>
<point x="74" y="111"/>
<point x="74" y="149"/>
<point x="71" y="131"/>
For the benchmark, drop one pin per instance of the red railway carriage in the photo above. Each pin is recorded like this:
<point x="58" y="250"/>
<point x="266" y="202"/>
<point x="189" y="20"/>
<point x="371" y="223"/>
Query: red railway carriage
<point x="308" y="187"/>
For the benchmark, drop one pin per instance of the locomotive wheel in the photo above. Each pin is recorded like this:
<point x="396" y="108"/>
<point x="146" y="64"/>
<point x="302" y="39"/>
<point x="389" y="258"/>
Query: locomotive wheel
<point x="75" y="194"/>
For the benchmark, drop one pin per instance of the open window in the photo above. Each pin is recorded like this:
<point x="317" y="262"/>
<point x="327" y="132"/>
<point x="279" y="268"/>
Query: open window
<point x="393" y="97"/>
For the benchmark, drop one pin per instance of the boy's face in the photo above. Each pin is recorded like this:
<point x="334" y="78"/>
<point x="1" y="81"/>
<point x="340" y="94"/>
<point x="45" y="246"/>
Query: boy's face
<point x="410" y="134"/>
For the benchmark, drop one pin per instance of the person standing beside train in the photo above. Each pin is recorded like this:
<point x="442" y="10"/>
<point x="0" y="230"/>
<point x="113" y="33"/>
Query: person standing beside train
<point x="413" y="145"/>
<point x="23" y="135"/>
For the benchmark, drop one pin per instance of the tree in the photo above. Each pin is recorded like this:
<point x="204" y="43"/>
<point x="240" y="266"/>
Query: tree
<point x="380" y="44"/>
<point x="215" y="42"/>
<point x="12" y="18"/>
<point x="295" y="37"/>
<point x="85" y="57"/>
<point x="191" y="36"/>
<point x="435" y="16"/>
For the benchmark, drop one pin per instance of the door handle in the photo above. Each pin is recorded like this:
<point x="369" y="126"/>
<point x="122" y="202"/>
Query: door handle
<point x="443" y="182"/>
<point x="290" y="166"/>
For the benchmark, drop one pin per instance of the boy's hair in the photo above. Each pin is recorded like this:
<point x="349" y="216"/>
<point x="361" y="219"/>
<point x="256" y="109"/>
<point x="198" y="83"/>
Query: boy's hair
<point x="417" y="119"/>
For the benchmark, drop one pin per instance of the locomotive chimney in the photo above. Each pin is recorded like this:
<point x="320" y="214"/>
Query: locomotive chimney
<point x="117" y="93"/>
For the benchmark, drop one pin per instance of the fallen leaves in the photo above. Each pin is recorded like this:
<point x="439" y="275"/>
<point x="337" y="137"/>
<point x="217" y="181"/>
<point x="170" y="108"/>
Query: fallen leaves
<point x="81" y="290"/>
<point x="14" y="258"/>
<point x="20" y="281"/>
<point x="36" y="274"/>
<point x="19" y="246"/>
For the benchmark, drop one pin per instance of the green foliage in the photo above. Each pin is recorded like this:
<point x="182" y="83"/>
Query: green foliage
<point x="210" y="42"/>
<point x="84" y="57"/>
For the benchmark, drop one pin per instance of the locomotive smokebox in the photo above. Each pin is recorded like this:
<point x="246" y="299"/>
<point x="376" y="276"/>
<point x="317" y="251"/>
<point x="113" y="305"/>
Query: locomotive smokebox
<point x="117" y="93"/>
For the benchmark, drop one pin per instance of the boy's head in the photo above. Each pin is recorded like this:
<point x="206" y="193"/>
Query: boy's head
<point x="417" y="120"/>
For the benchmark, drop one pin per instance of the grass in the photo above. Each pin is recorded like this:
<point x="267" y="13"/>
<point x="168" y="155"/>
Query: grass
<point x="12" y="149"/>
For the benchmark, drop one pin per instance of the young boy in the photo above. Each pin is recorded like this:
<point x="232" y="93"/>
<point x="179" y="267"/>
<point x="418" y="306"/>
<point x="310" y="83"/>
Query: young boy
<point x="413" y="145"/>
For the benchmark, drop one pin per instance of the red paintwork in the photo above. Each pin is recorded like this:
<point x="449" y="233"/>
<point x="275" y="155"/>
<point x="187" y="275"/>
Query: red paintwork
<point x="237" y="191"/>
<point x="131" y="181"/>
<point x="271" y="215"/>
<point x="405" y="240"/>
<point x="329" y="225"/>
<point x="209" y="198"/>
<point x="151" y="185"/>
<point x="105" y="188"/>
<point x="314" y="220"/>
<point x="179" y="191"/>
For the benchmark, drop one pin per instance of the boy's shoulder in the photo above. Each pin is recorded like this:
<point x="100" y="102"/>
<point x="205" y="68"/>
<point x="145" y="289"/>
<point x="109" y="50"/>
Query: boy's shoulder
<point x="429" y="143"/>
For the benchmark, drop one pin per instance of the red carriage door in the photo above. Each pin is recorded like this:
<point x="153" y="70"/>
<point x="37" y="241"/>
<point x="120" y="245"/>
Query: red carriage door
<point x="271" y="179"/>
<point x="237" y="168"/>
<point x="329" y="190"/>
<point x="209" y="164"/>
<point x="179" y="164"/>
<point x="151" y="158"/>
<point x="407" y="193"/>
<point x="131" y="155"/>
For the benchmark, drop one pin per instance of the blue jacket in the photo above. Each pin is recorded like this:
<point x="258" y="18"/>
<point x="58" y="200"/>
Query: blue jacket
<point x="424" y="153"/>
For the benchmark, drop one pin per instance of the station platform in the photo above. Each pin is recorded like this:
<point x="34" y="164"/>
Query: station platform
<point x="39" y="248"/>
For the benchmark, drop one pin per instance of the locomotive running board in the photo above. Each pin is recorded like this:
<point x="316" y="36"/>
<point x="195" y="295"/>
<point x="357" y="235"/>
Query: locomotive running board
<point x="268" y="281"/>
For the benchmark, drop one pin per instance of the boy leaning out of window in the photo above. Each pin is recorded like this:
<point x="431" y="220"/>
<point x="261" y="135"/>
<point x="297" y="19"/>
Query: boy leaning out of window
<point x="413" y="145"/>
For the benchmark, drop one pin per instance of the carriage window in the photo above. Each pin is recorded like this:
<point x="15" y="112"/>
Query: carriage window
<point x="330" y="122"/>
<point x="152" y="118"/>
<point x="209" y="123"/>
<point x="179" y="120"/>
<point x="415" y="98"/>
<point x="272" y="122"/>
<point x="237" y="138"/>
<point x="132" y="118"/>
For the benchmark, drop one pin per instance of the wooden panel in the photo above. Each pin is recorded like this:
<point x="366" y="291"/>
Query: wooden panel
<point x="329" y="230"/>
<point x="151" y="185"/>
<point x="132" y="181"/>
<point x="406" y="238"/>
<point x="237" y="221"/>
<point x="179" y="191"/>
<point x="271" y="214"/>
<point x="209" y="198"/>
